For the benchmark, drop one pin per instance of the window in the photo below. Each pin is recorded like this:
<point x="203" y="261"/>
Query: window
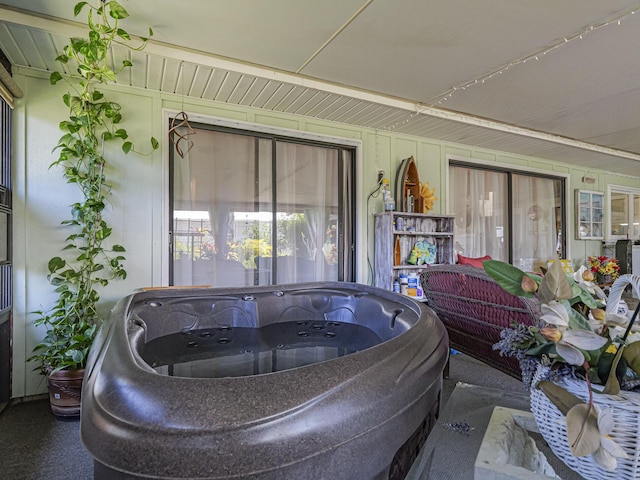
<point x="251" y="208"/>
<point x="517" y="217"/>
<point x="589" y="215"/>
<point x="624" y="213"/>
<point x="5" y="207"/>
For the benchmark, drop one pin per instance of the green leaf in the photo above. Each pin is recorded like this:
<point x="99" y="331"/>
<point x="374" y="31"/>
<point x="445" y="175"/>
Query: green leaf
<point x="154" y="143"/>
<point x="581" y="295"/>
<point x="127" y="63"/>
<point x="127" y="147"/>
<point x="117" y="11"/>
<point x="78" y="8"/>
<point x="121" y="133"/>
<point x="55" y="77"/>
<point x="543" y="348"/>
<point x="508" y="277"/>
<point x="123" y="34"/>
<point x="576" y="320"/>
<point x="55" y="264"/>
<point x="109" y="75"/>
<point x="632" y="355"/>
<point x="118" y="248"/>
<point x="62" y="58"/>
<point x="94" y="36"/>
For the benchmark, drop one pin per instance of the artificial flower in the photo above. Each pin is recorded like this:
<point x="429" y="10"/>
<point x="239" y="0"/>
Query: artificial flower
<point x="584" y="277"/>
<point x="554" y="313"/>
<point x="604" y="265"/>
<point x="616" y="322"/>
<point x="573" y="341"/>
<point x="528" y="284"/>
<point x="568" y="342"/>
<point x="608" y="452"/>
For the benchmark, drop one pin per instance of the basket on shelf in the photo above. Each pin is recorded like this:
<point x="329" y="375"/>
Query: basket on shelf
<point x="625" y="408"/>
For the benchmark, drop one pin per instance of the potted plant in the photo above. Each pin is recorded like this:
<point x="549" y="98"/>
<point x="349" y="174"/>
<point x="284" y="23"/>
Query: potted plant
<point x="89" y="262"/>
<point x="606" y="269"/>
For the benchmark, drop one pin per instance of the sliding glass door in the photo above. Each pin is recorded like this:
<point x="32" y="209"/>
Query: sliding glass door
<point x="512" y="216"/>
<point x="5" y="253"/>
<point x="251" y="209"/>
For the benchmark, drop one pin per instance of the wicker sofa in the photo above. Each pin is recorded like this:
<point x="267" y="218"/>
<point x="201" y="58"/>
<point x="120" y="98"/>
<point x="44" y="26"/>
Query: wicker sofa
<point x="474" y="309"/>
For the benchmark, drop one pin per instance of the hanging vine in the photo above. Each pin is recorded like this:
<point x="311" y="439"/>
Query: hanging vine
<point x="93" y="122"/>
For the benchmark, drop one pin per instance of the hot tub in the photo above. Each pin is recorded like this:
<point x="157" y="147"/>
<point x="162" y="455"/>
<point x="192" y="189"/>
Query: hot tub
<point x="310" y="381"/>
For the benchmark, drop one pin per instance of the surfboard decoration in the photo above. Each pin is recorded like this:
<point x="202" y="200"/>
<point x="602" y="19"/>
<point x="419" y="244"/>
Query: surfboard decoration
<point x="408" y="185"/>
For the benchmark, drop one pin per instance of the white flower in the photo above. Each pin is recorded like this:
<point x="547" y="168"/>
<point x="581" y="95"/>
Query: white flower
<point x="609" y="450"/>
<point x="611" y="320"/>
<point x="555" y="313"/>
<point x="617" y="324"/>
<point x="573" y="340"/>
<point x="590" y="287"/>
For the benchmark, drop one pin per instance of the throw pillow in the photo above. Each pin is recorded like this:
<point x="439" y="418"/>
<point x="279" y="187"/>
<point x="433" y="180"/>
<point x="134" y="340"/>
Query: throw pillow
<point x="474" y="262"/>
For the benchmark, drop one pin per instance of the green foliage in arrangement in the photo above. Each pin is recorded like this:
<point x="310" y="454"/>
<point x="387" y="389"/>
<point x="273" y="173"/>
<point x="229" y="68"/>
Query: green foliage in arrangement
<point x="93" y="122"/>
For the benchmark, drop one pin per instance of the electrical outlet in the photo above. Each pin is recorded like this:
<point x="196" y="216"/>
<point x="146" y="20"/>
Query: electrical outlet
<point x="380" y="175"/>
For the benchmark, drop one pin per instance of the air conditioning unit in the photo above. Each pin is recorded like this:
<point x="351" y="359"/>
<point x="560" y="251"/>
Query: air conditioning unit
<point x="624" y="254"/>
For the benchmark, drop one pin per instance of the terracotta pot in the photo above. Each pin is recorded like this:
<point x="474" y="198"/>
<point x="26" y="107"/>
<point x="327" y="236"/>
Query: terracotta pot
<point x="65" y="387"/>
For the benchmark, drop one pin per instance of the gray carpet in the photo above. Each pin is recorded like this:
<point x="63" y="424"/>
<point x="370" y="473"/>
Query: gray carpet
<point x="34" y="445"/>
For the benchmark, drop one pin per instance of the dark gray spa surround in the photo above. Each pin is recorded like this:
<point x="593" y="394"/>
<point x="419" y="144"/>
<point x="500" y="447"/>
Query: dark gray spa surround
<point x="351" y="417"/>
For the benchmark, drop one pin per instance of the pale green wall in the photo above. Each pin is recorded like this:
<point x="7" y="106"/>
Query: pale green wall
<point x="41" y="197"/>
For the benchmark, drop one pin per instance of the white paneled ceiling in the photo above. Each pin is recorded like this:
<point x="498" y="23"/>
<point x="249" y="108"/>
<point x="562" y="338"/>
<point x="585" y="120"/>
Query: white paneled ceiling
<point x="553" y="79"/>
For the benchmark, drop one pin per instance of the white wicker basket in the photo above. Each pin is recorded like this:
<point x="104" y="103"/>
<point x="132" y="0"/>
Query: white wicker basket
<point x="625" y="408"/>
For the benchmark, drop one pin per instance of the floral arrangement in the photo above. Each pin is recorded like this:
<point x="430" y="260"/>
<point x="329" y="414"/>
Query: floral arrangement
<point x="575" y="338"/>
<point x="603" y="265"/>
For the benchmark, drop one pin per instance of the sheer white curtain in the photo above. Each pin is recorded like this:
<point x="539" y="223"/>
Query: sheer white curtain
<point x="252" y="227"/>
<point x="306" y="189"/>
<point x="482" y="224"/>
<point x="535" y="231"/>
<point x="479" y="205"/>
<point x="214" y="182"/>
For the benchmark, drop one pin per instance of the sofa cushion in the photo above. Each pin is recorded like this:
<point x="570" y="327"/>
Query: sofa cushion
<point x="474" y="262"/>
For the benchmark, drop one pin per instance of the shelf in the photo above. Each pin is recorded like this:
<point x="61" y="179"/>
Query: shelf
<point x="395" y="246"/>
<point x="423" y="234"/>
<point x="408" y="266"/>
<point x="418" y="299"/>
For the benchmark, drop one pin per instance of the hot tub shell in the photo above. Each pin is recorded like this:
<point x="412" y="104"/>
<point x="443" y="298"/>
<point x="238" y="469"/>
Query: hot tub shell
<point x="359" y="416"/>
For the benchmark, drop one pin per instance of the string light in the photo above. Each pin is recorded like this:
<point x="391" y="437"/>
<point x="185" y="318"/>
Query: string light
<point x="534" y="56"/>
<point x="520" y="61"/>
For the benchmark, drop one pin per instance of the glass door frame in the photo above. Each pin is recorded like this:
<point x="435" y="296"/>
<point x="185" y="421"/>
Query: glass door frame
<point x="348" y="257"/>
<point x="467" y="162"/>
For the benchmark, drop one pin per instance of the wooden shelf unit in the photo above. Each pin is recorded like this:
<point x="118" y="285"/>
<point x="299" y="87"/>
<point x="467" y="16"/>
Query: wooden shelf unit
<point x="437" y="229"/>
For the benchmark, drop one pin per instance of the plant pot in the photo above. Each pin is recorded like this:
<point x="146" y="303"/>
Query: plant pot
<point x="603" y="279"/>
<point x="65" y="387"/>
